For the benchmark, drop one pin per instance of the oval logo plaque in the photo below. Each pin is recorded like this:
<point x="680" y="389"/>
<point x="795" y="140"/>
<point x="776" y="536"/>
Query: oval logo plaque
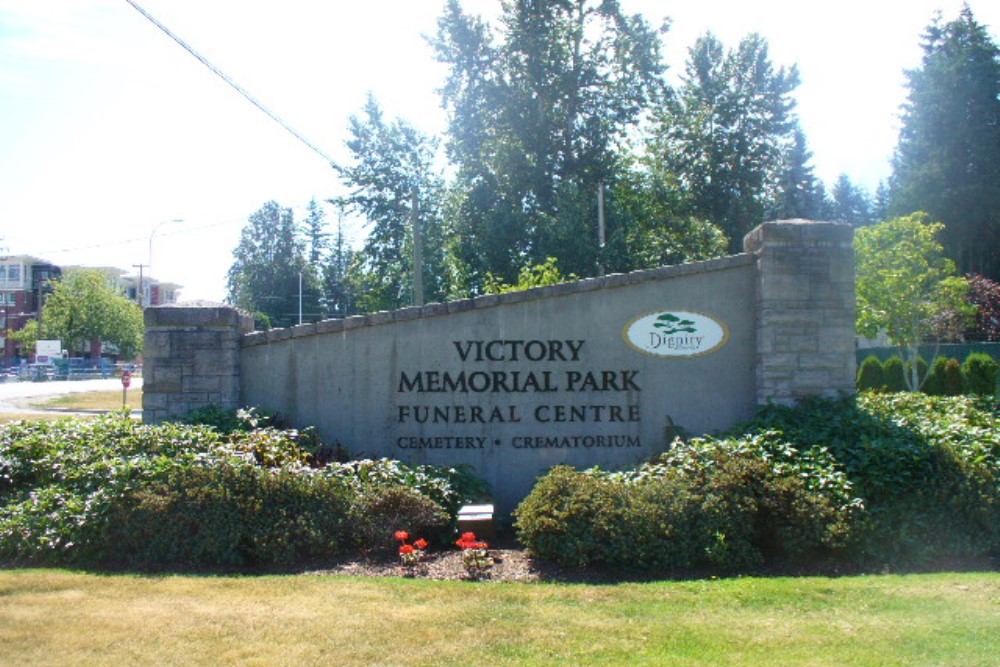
<point x="676" y="333"/>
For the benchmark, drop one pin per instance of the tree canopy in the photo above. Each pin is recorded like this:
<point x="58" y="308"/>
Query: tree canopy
<point x="85" y="305"/>
<point x="268" y="265"/>
<point x="947" y="161"/>
<point x="564" y="142"/>
<point x="904" y="283"/>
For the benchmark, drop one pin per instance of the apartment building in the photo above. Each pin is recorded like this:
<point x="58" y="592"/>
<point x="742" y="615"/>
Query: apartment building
<point x="23" y="284"/>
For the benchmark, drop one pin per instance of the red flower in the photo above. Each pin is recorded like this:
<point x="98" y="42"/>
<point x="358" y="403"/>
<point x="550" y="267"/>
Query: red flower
<point x="402" y="535"/>
<point x="406" y="549"/>
<point x="468" y="537"/>
<point x="421" y="543"/>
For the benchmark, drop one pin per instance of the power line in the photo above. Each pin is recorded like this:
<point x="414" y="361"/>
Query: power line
<point x="232" y="83"/>
<point x="143" y="239"/>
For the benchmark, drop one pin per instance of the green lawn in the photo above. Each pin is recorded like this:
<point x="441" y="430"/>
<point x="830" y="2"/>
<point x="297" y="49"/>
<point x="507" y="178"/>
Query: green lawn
<point x="55" y="617"/>
<point x="93" y="400"/>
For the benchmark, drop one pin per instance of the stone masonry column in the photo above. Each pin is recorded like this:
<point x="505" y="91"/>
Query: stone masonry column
<point x="805" y="309"/>
<point x="191" y="359"/>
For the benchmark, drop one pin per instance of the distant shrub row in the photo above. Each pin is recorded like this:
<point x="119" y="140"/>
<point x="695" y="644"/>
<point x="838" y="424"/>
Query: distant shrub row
<point x="112" y="491"/>
<point x="884" y="479"/>
<point x="977" y="375"/>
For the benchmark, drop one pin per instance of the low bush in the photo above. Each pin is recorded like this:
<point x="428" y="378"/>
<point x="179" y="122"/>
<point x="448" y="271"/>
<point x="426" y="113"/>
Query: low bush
<point x="726" y="504"/>
<point x="892" y="375"/>
<point x="945" y="378"/>
<point x="115" y="491"/>
<point x="926" y="468"/>
<point x="870" y="374"/>
<point x="979" y="374"/>
<point x="895" y="480"/>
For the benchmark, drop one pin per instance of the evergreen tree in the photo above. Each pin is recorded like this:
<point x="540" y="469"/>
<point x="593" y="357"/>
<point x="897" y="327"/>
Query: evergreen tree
<point x="947" y="161"/>
<point x="850" y="203"/>
<point x="264" y="278"/>
<point x="800" y="194"/>
<point x="314" y="228"/>
<point x="880" y="205"/>
<point x="724" y="134"/>
<point x="394" y="186"/>
<point x="341" y="298"/>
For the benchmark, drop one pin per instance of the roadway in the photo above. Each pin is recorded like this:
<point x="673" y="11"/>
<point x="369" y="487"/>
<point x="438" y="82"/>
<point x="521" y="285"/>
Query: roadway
<point x="17" y="396"/>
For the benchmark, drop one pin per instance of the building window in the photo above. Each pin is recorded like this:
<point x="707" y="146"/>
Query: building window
<point x="14" y="273"/>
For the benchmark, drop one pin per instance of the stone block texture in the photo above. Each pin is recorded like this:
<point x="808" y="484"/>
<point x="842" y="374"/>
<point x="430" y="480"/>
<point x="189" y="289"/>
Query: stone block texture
<point x="805" y="309"/>
<point x="191" y="359"/>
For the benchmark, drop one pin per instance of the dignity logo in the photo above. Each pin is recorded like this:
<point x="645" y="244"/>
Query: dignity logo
<point x="676" y="334"/>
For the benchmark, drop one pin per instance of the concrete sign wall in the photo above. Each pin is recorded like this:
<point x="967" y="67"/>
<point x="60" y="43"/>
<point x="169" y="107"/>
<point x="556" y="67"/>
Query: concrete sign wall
<point x="596" y="372"/>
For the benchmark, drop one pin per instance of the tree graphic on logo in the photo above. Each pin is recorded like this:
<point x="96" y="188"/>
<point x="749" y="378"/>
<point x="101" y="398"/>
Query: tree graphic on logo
<point x="673" y="324"/>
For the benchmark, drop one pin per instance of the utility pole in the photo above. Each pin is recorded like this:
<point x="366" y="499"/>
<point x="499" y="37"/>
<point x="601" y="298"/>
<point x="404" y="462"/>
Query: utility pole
<point x="139" y="294"/>
<point x="418" y="252"/>
<point x="600" y="225"/>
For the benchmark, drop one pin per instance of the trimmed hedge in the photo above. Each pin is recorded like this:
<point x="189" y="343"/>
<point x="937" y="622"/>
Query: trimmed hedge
<point x="979" y="374"/>
<point x="870" y="374"/>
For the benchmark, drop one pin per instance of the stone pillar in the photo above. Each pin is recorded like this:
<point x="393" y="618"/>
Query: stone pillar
<point x="805" y="309"/>
<point x="191" y="359"/>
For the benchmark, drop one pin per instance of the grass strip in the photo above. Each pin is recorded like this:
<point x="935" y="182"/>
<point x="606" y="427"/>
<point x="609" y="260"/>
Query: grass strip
<point x="57" y="617"/>
<point x="93" y="400"/>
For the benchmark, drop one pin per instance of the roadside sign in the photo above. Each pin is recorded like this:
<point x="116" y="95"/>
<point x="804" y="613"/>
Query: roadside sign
<point x="126" y="379"/>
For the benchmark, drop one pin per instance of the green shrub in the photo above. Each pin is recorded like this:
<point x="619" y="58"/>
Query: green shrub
<point x="112" y="490"/>
<point x="926" y="468"/>
<point x="945" y="379"/>
<point x="979" y="374"/>
<point x="896" y="480"/>
<point x="718" y="504"/>
<point x="935" y="382"/>
<point x="870" y="374"/>
<point x="233" y="515"/>
<point x="952" y="380"/>
<point x="382" y="510"/>
<point x="892" y="374"/>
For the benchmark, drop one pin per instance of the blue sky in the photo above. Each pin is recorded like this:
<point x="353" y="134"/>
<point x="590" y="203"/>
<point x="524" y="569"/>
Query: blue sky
<point x="109" y="131"/>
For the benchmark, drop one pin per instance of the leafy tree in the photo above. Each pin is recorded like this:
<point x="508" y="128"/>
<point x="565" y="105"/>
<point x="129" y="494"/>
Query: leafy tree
<point x="538" y="111"/>
<point x="539" y="275"/>
<point x="26" y="338"/>
<point x="86" y="305"/>
<point x="984" y="294"/>
<point x="267" y="264"/>
<point x="723" y="134"/>
<point x="904" y="281"/>
<point x="851" y="203"/>
<point x="392" y="171"/>
<point x="947" y="161"/>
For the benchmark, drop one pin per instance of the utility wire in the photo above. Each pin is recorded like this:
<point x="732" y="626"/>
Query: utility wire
<point x="232" y="83"/>
<point x="186" y="230"/>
